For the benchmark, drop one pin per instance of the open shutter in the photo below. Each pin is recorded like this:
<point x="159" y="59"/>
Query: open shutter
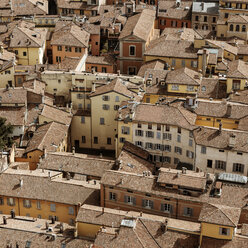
<point x="171" y="209"/>
<point x="134" y="201"/>
<point x="220" y="231"/>
<point x="143" y="203"/>
<point x="185" y="211"/>
<point x="125" y="198"/>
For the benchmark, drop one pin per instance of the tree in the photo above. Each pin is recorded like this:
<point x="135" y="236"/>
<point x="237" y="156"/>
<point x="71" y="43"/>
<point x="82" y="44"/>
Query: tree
<point x="5" y="131"/>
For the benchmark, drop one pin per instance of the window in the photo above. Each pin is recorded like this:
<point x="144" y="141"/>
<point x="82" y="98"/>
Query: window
<point x="95" y="140"/>
<point x="194" y="64"/>
<point x="24" y="54"/>
<point x="26" y="203"/>
<point x="82" y="119"/>
<point x="203" y="88"/>
<point x="167" y="128"/>
<point x="236" y="84"/>
<point x="167" y="148"/>
<point x="190" y="88"/>
<point x="224" y="231"/>
<point x="105" y="98"/>
<point x="166" y="159"/>
<point x="179" y="130"/>
<point x="117" y="98"/>
<point x="102" y="121"/>
<point x="78" y="49"/>
<point x="209" y="163"/>
<point x="197" y="18"/>
<point x="149" y="145"/>
<point x="214" y="19"/>
<point x="112" y="196"/>
<point x="221" y="165"/>
<point x="159" y="127"/>
<point x="71" y="210"/>
<point x="105" y="107"/>
<point x="205" y="18"/>
<point x="139" y="132"/>
<point x="158" y="135"/>
<point x="11" y="201"/>
<point x="122" y="140"/>
<point x="221" y="151"/>
<point x="131" y="70"/>
<point x="125" y="130"/>
<point x="165" y="207"/>
<point x="59" y="48"/>
<point x="1" y="201"/>
<point x="52" y="207"/>
<point x="238" y="167"/>
<point x="116" y="107"/>
<point x="231" y="27"/>
<point x="149" y="134"/>
<point x="183" y="63"/>
<point x="203" y="149"/>
<point x="109" y="141"/>
<point x="139" y="125"/>
<point x="147" y="204"/>
<point x="173" y="62"/>
<point x="149" y="126"/>
<point x="178" y="150"/>
<point x="167" y="136"/>
<point x="189" y="154"/>
<point x="80" y="96"/>
<point x="139" y="143"/>
<point x="190" y="142"/>
<point x="175" y="87"/>
<point x="187" y="211"/>
<point x="132" y="50"/>
<point x="68" y="49"/>
<point x="104" y="69"/>
<point x="130" y="200"/>
<point x="16" y="52"/>
<point x="148" y="100"/>
<point x="83" y="139"/>
<point x="237" y="28"/>
<point x="58" y="59"/>
<point x="38" y="205"/>
<point x="179" y="138"/>
<point x="176" y="160"/>
<point x="7" y="72"/>
<point x="157" y="147"/>
<point x="80" y="105"/>
<point x="39" y="216"/>
<point x="226" y="15"/>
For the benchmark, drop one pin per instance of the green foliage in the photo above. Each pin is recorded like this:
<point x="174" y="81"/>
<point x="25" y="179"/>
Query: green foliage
<point x="5" y="131"/>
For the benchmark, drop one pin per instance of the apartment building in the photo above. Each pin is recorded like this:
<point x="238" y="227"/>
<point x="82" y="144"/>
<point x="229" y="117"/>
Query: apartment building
<point x="41" y="194"/>
<point x="28" y="44"/>
<point x="212" y="113"/>
<point x="174" y="14"/>
<point x="166" y="132"/>
<point x="177" y="53"/>
<point x="134" y="39"/>
<point x="205" y="16"/>
<point x="221" y="150"/>
<point x="69" y="40"/>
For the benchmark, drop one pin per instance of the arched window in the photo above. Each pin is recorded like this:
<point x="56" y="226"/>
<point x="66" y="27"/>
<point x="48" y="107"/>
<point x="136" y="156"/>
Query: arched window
<point x="237" y="28"/>
<point x="231" y="27"/>
<point x="243" y="28"/>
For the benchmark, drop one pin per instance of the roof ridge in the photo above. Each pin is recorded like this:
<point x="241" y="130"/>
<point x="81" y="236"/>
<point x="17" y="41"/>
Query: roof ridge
<point x="20" y="28"/>
<point x="226" y="215"/>
<point x="72" y="26"/>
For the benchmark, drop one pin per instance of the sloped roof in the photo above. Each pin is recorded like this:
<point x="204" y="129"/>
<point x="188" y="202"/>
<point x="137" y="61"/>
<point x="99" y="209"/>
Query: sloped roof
<point x="70" y="35"/>
<point x="237" y="69"/>
<point x="240" y="19"/>
<point x="139" y="25"/>
<point x="183" y="76"/>
<point x="25" y="37"/>
<point x="115" y="85"/>
<point x="220" y="215"/>
<point x="47" y="136"/>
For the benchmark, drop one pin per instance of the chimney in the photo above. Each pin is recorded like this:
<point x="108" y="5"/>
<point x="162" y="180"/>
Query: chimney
<point x="93" y="87"/>
<point x="204" y="62"/>
<point x="202" y="5"/>
<point x="12" y="213"/>
<point x="232" y="140"/>
<point x="184" y="170"/>
<point x="220" y="127"/>
<point x="229" y="109"/>
<point x="73" y="150"/>
<point x="21" y="182"/>
<point x="100" y="155"/>
<point x="178" y="174"/>
<point x="141" y="214"/>
<point x="4" y="220"/>
<point x="47" y="225"/>
<point x="118" y="72"/>
<point x="44" y="152"/>
<point x="102" y="210"/>
<point x="68" y="176"/>
<point x="61" y="228"/>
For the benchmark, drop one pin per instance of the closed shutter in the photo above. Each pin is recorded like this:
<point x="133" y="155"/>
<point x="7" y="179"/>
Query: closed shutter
<point x="185" y="212"/>
<point x="234" y="167"/>
<point x="125" y="198"/>
<point x="142" y="133"/>
<point x="242" y="168"/>
<point x="134" y="201"/>
<point x="162" y="207"/>
<point x="171" y="209"/>
<point x="228" y="231"/>
<point x="220" y="231"/>
<point x="143" y="203"/>
<point x="151" y="204"/>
